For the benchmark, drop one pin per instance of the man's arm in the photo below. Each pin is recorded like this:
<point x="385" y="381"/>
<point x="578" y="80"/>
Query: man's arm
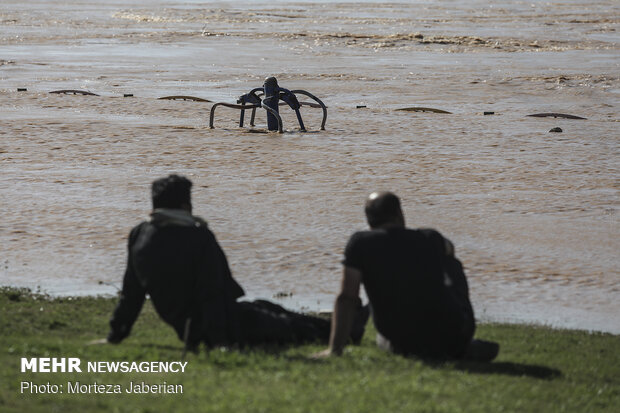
<point x="130" y="304"/>
<point x="345" y="310"/>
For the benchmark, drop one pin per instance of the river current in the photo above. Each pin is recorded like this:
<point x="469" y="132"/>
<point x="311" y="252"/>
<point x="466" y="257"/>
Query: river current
<point x="533" y="214"/>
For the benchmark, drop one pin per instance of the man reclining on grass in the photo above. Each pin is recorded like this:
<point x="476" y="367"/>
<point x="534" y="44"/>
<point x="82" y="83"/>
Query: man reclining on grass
<point x="175" y="259"/>
<point x="417" y="290"/>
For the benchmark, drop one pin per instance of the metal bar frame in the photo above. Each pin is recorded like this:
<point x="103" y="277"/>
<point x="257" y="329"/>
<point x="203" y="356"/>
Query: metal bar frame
<point x="321" y="104"/>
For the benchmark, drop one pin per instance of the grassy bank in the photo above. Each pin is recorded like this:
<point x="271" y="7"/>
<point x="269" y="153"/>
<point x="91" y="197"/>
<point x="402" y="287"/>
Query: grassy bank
<point x="538" y="369"/>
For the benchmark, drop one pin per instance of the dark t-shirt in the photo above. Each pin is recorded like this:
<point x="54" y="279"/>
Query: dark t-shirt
<point x="417" y="291"/>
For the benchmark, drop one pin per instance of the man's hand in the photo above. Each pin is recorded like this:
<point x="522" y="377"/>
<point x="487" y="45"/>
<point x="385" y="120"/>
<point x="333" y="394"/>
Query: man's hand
<point x="97" y="342"/>
<point x="328" y="352"/>
<point x="322" y="354"/>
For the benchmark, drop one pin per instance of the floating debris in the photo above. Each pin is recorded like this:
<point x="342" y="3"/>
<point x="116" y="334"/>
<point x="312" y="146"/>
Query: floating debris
<point x="422" y="109"/>
<point x="74" y="92"/>
<point x="283" y="294"/>
<point x="128" y="95"/>
<point x="555" y="115"/>
<point x="194" y="98"/>
<point x="488" y="113"/>
<point x="22" y="89"/>
<point x="118" y="290"/>
<point x="556" y="130"/>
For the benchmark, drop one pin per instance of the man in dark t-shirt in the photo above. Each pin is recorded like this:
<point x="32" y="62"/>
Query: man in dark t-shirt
<point x="175" y="259"/>
<point x="417" y="289"/>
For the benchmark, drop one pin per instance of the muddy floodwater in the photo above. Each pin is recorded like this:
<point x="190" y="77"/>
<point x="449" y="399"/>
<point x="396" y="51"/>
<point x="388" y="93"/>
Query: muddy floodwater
<point x="533" y="214"/>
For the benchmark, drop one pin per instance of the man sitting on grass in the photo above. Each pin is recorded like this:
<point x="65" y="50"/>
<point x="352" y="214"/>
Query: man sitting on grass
<point x="417" y="290"/>
<point x="175" y="259"/>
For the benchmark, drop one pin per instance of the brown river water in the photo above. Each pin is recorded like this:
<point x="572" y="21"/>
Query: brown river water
<point x="533" y="214"/>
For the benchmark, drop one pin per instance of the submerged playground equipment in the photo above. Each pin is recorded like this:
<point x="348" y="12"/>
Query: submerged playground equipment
<point x="271" y="95"/>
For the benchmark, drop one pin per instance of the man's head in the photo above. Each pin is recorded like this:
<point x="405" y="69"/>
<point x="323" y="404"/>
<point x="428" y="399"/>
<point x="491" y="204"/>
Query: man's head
<point x="173" y="191"/>
<point x="383" y="209"/>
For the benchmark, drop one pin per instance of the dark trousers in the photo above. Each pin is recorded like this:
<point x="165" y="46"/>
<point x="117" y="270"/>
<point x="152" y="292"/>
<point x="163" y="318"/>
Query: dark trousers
<point x="263" y="322"/>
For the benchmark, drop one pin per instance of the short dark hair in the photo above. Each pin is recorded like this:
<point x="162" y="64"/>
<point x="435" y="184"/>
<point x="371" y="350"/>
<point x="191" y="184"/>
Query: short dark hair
<point x="171" y="192"/>
<point x="382" y="207"/>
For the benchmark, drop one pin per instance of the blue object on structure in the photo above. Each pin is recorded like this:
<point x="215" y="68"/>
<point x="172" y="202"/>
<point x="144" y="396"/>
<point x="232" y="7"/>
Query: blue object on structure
<point x="271" y="102"/>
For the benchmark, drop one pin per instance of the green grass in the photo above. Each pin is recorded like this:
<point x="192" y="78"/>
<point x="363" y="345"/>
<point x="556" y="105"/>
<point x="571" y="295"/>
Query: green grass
<point x="538" y="369"/>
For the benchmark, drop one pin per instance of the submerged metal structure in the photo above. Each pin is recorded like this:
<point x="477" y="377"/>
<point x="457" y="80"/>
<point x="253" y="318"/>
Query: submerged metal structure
<point x="269" y="97"/>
